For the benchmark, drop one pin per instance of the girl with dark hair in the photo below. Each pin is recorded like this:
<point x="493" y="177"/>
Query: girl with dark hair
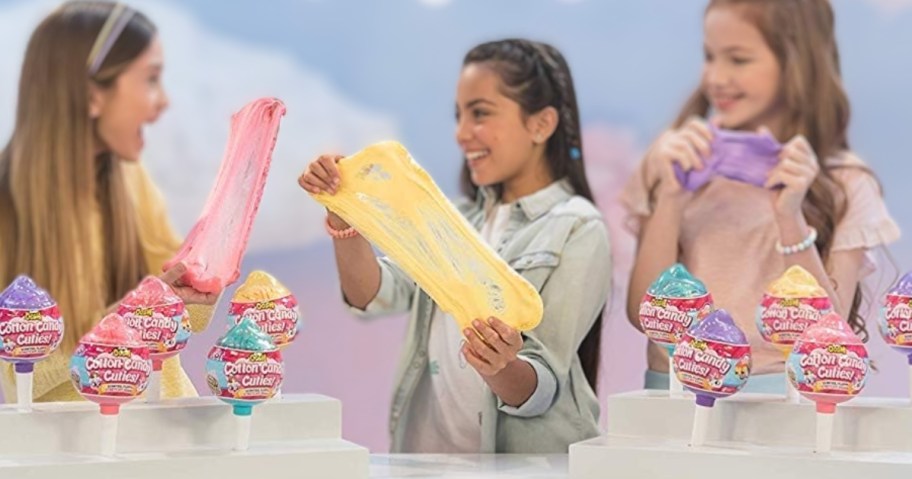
<point x="527" y="194"/>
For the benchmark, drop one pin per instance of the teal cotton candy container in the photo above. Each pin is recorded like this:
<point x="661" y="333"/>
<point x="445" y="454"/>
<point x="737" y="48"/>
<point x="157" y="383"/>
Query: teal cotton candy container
<point x="243" y="369"/>
<point x="674" y="303"/>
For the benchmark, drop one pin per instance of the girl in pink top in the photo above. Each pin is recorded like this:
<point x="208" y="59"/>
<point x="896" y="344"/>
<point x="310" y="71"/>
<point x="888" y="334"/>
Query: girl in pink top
<point x="769" y="65"/>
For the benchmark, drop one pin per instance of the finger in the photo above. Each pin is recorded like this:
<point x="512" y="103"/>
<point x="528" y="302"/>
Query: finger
<point x="482" y="349"/>
<point x="802" y="144"/>
<point x="800" y="160"/>
<point x="699" y="127"/>
<point x="329" y="163"/>
<point x="173" y="274"/>
<point x="304" y="182"/>
<point x="476" y="362"/>
<point x="794" y="166"/>
<point x="488" y="335"/>
<point x="699" y="143"/>
<point x="763" y="130"/>
<point x="319" y="171"/>
<point x="316" y="185"/>
<point x="687" y="157"/>
<point x="775" y="179"/>
<point x="508" y="335"/>
<point x="715" y="121"/>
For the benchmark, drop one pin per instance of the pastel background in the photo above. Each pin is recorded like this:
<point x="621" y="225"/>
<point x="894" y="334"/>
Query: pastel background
<point x="353" y="72"/>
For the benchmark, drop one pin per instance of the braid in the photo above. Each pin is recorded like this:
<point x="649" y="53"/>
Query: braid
<point x="536" y="76"/>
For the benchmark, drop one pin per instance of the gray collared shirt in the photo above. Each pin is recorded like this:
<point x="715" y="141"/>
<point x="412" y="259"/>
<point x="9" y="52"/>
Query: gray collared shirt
<point x="559" y="243"/>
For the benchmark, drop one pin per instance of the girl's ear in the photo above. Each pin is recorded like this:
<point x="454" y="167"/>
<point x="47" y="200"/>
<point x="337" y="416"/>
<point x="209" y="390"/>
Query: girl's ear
<point x="96" y="101"/>
<point x="542" y="124"/>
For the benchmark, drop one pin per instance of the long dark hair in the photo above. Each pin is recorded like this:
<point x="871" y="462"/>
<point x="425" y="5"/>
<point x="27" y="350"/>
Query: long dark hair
<point x="535" y="75"/>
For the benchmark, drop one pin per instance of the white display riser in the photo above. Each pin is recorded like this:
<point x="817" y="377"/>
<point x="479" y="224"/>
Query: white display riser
<point x="318" y="458"/>
<point x="172" y="425"/>
<point x="749" y="436"/>
<point x="862" y="424"/>
<point x="652" y="458"/>
<point x="290" y="436"/>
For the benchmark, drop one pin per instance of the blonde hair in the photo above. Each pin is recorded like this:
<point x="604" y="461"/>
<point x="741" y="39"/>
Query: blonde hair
<point x="51" y="176"/>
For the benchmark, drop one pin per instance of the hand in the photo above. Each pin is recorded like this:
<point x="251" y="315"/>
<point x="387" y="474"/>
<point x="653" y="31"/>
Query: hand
<point x="797" y="169"/>
<point x="322" y="176"/>
<point x="687" y="146"/>
<point x="172" y="277"/>
<point x="497" y="346"/>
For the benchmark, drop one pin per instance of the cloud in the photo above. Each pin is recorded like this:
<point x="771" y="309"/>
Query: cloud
<point x="208" y="77"/>
<point x="435" y="3"/>
<point x="891" y="6"/>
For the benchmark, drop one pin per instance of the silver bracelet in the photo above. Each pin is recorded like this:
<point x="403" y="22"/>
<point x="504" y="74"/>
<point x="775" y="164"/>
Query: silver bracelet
<point x="803" y="245"/>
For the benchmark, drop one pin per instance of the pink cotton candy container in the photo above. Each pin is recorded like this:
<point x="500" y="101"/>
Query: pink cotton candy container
<point x="828" y="365"/>
<point x="111" y="366"/>
<point x="159" y="315"/>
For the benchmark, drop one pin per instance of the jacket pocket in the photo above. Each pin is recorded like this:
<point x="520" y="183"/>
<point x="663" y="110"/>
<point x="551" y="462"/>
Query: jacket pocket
<point x="536" y="266"/>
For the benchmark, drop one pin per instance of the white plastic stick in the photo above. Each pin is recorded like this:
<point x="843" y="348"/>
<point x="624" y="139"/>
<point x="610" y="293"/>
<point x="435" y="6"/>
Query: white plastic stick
<point x="791" y="392"/>
<point x="700" y="425"/>
<point x="824" y="433"/>
<point x="24" y="391"/>
<point x="675" y="388"/>
<point x="108" y="434"/>
<point x="242" y="440"/>
<point x="910" y="382"/>
<point x="153" y="391"/>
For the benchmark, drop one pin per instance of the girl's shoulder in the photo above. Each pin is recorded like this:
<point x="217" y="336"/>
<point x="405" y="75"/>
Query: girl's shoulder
<point x="577" y="206"/>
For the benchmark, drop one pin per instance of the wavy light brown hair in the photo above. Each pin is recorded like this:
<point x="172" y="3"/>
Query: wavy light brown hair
<point x="801" y="33"/>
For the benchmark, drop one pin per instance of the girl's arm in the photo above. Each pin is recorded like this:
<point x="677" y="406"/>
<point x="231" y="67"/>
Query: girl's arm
<point x="657" y="249"/>
<point x="514" y="366"/>
<point x="660" y="230"/>
<point x="368" y="284"/>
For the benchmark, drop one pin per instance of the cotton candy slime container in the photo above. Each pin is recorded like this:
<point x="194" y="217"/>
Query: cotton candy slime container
<point x="713" y="361"/>
<point x="31" y="328"/>
<point x="266" y="301"/>
<point x="674" y="303"/>
<point x="111" y="366"/>
<point x="243" y="369"/>
<point x="790" y="305"/>
<point x="828" y="365"/>
<point x="158" y="314"/>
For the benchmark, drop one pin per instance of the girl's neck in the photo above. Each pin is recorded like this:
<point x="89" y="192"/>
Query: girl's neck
<point x="526" y="182"/>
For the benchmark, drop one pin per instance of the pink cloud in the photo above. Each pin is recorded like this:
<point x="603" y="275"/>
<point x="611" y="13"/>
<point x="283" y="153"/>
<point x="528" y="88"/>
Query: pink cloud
<point x="612" y="153"/>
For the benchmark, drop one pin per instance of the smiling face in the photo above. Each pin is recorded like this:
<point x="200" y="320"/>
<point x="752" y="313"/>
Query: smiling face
<point x="497" y="139"/>
<point x="135" y="99"/>
<point x="741" y="74"/>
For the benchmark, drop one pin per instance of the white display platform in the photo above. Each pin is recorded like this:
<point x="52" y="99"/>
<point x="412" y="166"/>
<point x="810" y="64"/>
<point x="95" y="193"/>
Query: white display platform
<point x="291" y="435"/>
<point x="750" y="436"/>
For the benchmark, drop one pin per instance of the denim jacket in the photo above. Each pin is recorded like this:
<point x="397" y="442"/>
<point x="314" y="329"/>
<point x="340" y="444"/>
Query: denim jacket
<point x="559" y="243"/>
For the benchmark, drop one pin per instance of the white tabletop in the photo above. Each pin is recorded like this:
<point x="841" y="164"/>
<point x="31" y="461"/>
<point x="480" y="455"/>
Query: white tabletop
<point x="434" y="466"/>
